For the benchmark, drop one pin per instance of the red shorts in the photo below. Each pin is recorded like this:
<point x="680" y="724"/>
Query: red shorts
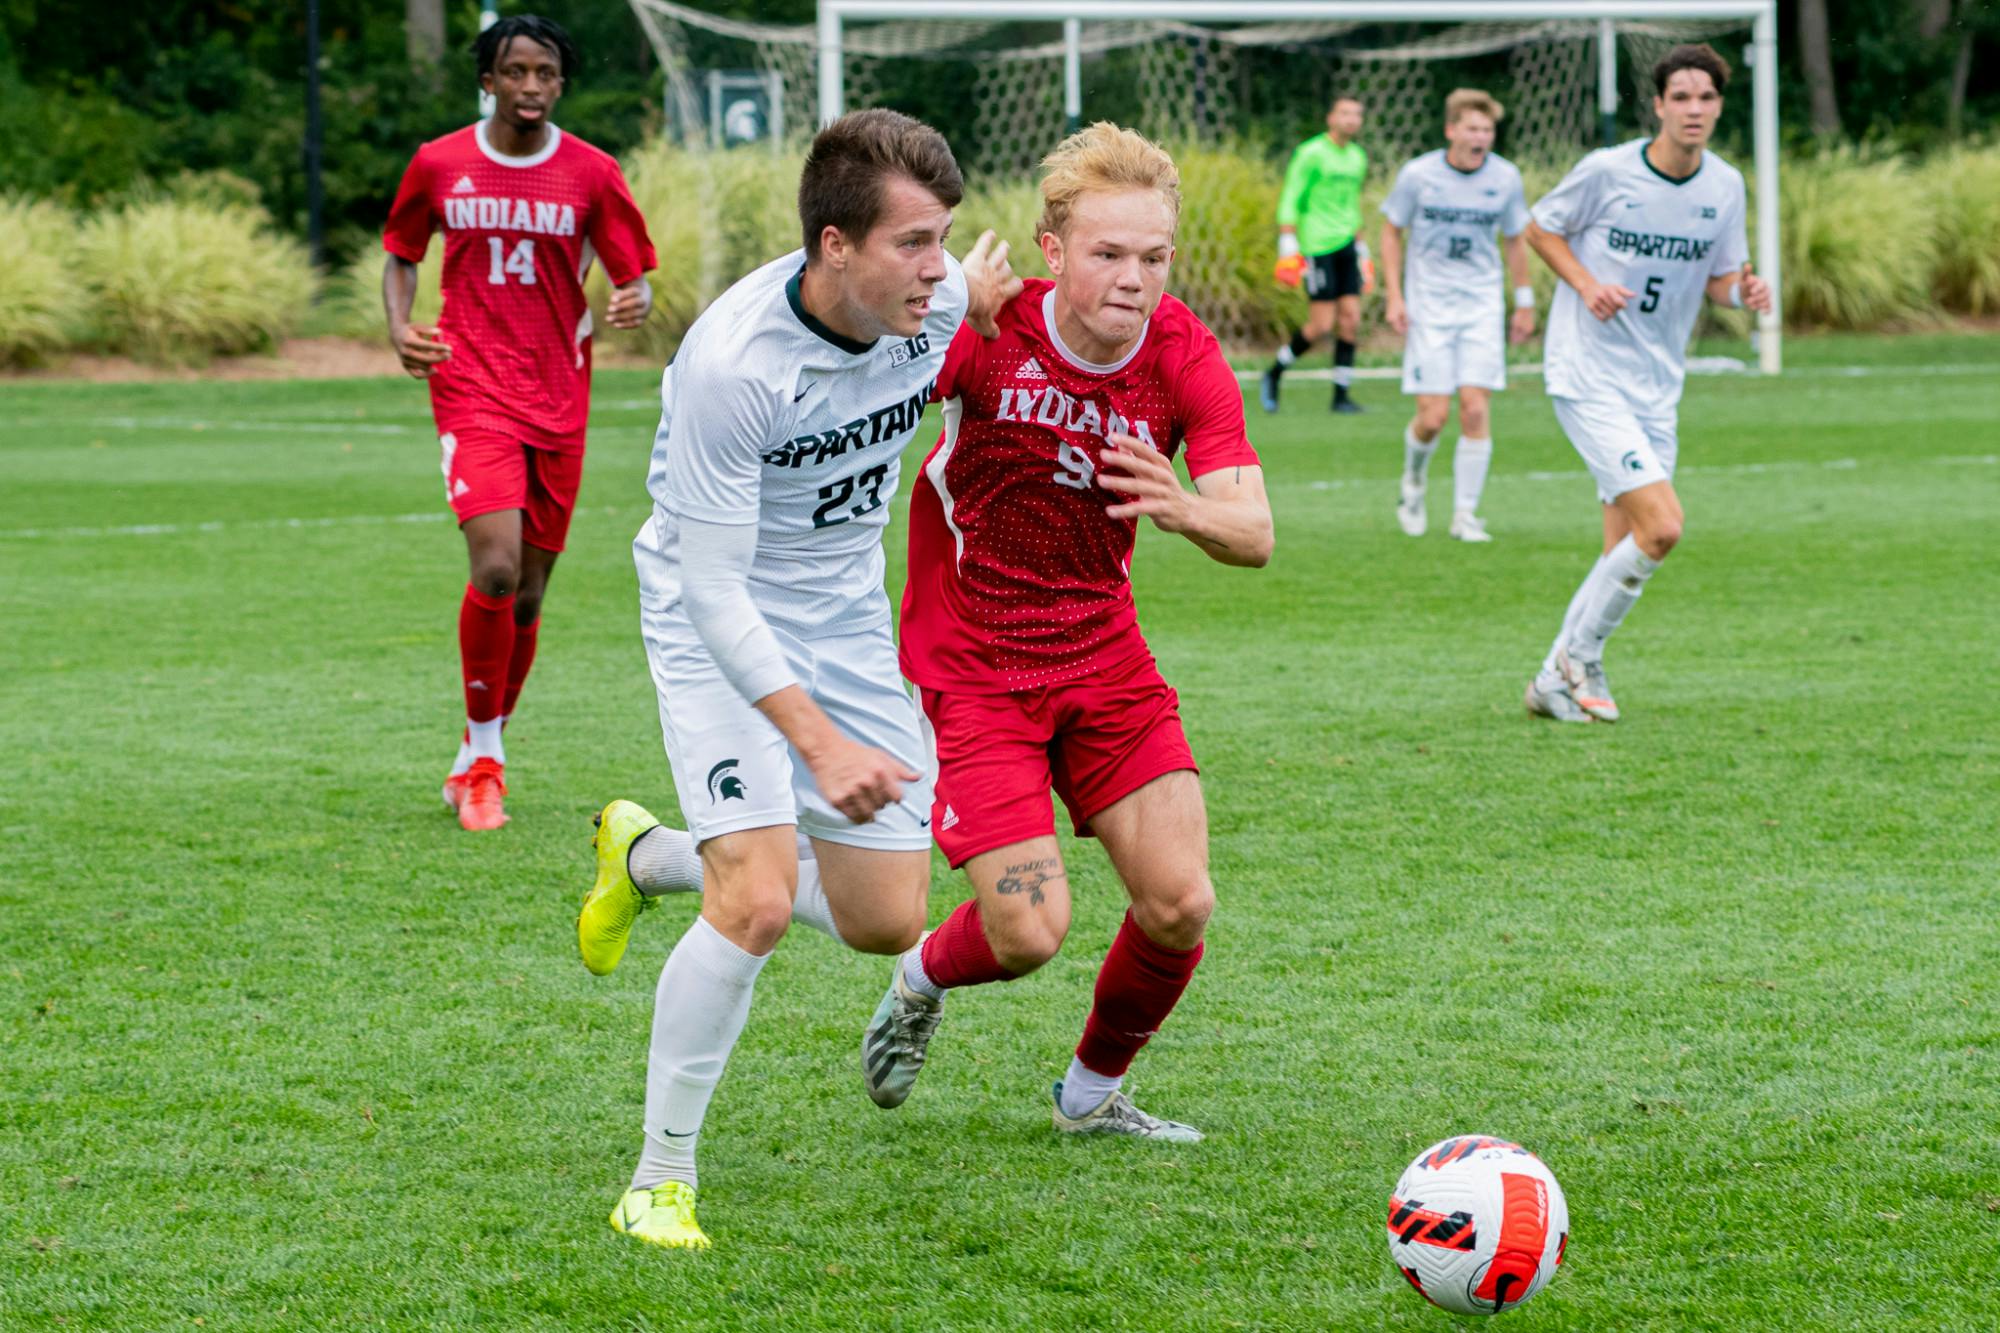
<point x="486" y="471"/>
<point x="1095" y="741"/>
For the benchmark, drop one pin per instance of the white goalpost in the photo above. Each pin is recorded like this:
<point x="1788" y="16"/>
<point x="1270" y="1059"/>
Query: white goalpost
<point x="1524" y="28"/>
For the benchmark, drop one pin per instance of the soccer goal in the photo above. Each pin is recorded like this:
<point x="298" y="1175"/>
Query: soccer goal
<point x="1005" y="79"/>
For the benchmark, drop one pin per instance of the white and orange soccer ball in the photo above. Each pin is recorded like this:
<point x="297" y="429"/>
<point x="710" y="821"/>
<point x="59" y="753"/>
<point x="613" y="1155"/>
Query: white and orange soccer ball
<point x="1477" y="1224"/>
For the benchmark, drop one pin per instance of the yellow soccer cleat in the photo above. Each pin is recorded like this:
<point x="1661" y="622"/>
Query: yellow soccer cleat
<point x="614" y="902"/>
<point x="663" y="1216"/>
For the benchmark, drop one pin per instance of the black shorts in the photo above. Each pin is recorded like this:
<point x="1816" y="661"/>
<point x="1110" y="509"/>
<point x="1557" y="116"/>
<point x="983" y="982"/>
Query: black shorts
<point x="1334" y="275"/>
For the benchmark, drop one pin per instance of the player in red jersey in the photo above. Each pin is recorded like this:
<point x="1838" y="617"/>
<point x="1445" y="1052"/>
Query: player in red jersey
<point x="525" y="209"/>
<point x="1018" y="624"/>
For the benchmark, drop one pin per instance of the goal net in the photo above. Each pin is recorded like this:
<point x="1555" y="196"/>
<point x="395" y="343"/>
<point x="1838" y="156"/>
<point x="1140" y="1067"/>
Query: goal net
<point x="1005" y="90"/>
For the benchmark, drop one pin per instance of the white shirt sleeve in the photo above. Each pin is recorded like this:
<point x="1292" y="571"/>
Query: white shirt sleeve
<point x="1401" y="204"/>
<point x="713" y="437"/>
<point x="715" y="588"/>
<point x="1575" y="202"/>
<point x="1514" y="217"/>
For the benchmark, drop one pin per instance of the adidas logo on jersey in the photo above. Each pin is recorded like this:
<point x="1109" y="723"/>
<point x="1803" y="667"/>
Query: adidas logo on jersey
<point x="1031" y="369"/>
<point x="950" y="819"/>
<point x="464" y="186"/>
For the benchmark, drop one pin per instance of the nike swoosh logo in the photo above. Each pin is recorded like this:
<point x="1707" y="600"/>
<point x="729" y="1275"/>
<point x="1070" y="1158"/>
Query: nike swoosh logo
<point x="1635" y="203"/>
<point x="670" y="1134"/>
<point x="802" y="393"/>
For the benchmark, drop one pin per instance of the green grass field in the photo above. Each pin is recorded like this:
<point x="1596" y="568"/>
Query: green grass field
<point x="280" y="1047"/>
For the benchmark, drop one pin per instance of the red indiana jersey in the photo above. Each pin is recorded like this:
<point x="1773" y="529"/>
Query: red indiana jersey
<point x="1018" y="578"/>
<point x="519" y="235"/>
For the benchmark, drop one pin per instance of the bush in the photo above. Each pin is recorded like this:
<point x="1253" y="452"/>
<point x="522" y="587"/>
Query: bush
<point x="37" y="294"/>
<point x="1962" y="188"/>
<point x="1859" y="242"/>
<point x="713" y="217"/>
<point x="171" y="280"/>
<point x="1009" y="208"/>
<point x="353" y="300"/>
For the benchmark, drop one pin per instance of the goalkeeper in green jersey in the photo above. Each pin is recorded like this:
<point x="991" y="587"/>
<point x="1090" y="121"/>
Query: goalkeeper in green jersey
<point x="1319" y="225"/>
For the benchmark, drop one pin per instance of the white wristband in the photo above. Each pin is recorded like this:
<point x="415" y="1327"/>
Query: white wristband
<point x="1736" y="294"/>
<point x="1288" y="244"/>
<point x="1524" y="298"/>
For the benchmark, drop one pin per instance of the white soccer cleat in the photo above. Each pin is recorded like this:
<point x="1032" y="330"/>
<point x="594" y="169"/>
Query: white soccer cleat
<point x="897" y="1038"/>
<point x="1587" y="685"/>
<point x="1467" y="526"/>
<point x="1548" y="696"/>
<point x="1410" y="513"/>
<point x="1116" y="1115"/>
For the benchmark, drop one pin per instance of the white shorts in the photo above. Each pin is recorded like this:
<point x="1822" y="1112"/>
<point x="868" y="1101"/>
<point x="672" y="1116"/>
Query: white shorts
<point x="1623" y="447"/>
<point x="734" y="770"/>
<point x="1454" y="356"/>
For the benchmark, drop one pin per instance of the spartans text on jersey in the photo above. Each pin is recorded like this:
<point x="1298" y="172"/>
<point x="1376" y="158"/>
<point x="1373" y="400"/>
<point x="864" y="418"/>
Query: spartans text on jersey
<point x="884" y="423"/>
<point x="1652" y="245"/>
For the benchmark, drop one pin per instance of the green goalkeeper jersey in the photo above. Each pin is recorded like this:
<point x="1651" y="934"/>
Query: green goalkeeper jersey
<point x="1322" y="194"/>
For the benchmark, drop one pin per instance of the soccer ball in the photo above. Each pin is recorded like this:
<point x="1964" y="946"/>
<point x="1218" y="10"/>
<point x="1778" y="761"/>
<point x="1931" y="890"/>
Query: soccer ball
<point x="1477" y="1224"/>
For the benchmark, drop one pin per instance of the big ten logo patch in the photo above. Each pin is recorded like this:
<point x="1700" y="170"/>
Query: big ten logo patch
<point x="908" y="350"/>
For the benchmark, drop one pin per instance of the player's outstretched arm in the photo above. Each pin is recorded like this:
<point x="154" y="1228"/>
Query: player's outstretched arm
<point x="856" y="779"/>
<point x="1602" y="299"/>
<point x="418" y="346"/>
<point x="990" y="283"/>
<point x="1227" y="514"/>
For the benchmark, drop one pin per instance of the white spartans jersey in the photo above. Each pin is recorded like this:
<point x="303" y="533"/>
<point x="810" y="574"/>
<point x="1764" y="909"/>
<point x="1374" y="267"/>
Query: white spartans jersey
<point x="1661" y="239"/>
<point x="770" y="417"/>
<point x="1452" y="271"/>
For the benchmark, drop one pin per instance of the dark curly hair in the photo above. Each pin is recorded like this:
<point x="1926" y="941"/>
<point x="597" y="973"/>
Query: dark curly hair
<point x="536" y="29"/>
<point x="1699" y="56"/>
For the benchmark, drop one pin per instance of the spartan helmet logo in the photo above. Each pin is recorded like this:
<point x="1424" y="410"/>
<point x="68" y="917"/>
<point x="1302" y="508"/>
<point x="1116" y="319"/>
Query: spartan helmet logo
<point x="723" y="784"/>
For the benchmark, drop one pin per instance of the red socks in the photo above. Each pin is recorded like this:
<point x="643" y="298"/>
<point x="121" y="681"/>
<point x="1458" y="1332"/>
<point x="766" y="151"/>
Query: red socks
<point x="957" y="954"/>
<point x="1137" y="988"/>
<point x="518" y="663"/>
<point x="486" y="637"/>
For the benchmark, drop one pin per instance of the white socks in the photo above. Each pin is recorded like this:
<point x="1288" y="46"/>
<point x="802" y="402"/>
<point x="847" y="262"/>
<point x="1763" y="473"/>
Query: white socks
<point x="1468" y="472"/>
<point x="1084" y="1090"/>
<point x="916" y="978"/>
<point x="482" y="741"/>
<point x="1286" y="355"/>
<point x="466" y="754"/>
<point x="664" y="860"/>
<point x="809" y="904"/>
<point x="1615" y="585"/>
<point x="1570" y="617"/>
<point x="1416" y="454"/>
<point x="699" y="1009"/>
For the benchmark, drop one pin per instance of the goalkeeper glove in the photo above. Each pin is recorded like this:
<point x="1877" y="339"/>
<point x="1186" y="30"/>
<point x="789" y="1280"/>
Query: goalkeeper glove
<point x="1291" y="269"/>
<point x="1367" y="262"/>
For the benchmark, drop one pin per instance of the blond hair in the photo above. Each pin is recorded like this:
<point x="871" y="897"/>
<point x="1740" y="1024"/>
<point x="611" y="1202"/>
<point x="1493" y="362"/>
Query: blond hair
<point x="1463" y="100"/>
<point x="1101" y="158"/>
